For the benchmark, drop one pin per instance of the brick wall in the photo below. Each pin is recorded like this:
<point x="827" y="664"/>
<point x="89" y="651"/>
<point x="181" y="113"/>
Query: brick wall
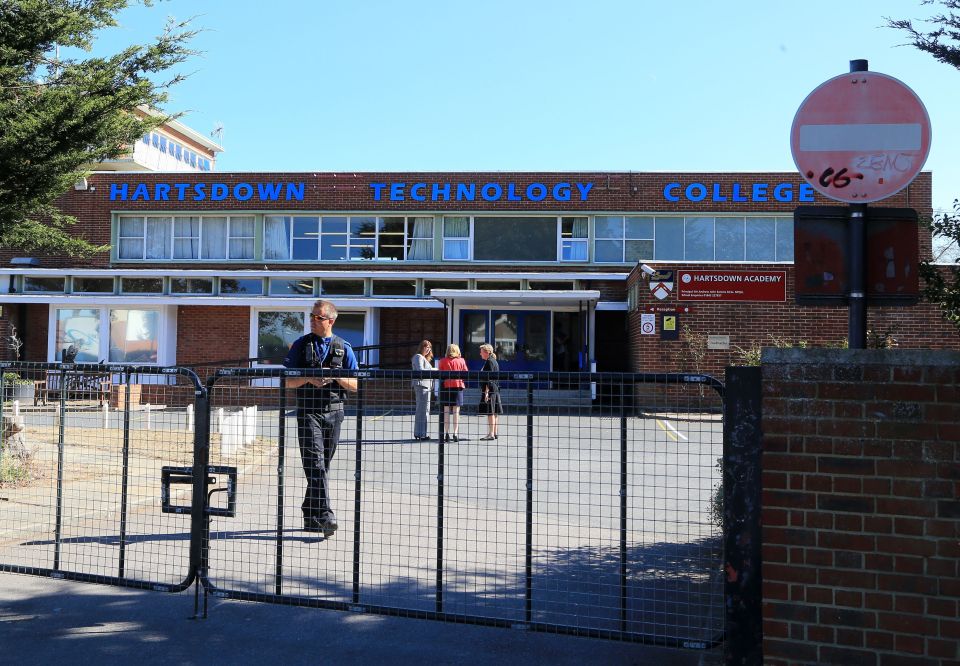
<point x="215" y="333"/>
<point x="916" y="327"/>
<point x="861" y="501"/>
<point x="402" y="325"/>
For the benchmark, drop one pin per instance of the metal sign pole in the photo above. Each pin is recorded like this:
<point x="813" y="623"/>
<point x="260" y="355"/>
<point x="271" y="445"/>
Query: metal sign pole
<point x="857" y="241"/>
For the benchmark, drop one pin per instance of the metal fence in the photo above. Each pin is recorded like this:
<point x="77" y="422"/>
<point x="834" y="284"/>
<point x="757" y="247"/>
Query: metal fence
<point x="593" y="512"/>
<point x="80" y="462"/>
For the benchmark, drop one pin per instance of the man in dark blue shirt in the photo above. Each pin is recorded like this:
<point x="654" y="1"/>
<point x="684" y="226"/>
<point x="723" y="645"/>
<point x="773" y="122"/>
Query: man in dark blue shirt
<point x="320" y="410"/>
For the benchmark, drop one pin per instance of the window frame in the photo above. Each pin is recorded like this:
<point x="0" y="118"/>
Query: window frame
<point x="164" y="355"/>
<point x="468" y="238"/>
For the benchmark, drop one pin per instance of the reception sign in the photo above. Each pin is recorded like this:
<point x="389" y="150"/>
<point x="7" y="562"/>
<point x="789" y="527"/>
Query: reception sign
<point x="732" y="286"/>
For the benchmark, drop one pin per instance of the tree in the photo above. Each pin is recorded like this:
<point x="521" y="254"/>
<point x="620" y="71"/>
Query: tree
<point x="940" y="37"/>
<point x="57" y="117"/>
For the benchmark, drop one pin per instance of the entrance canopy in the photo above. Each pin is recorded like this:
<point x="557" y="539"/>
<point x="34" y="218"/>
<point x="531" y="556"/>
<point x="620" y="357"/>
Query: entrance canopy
<point x="524" y="298"/>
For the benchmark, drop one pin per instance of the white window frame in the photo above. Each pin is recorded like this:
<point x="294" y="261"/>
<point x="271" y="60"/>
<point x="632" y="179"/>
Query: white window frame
<point x="166" y="330"/>
<point x="468" y="238"/>
<point x="561" y="240"/>
<point x="369" y="330"/>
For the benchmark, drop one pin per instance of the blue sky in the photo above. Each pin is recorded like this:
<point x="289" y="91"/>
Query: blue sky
<point x="533" y="85"/>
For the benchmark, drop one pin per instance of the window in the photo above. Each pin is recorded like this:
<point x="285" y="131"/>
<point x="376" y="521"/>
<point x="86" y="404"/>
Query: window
<point x="118" y="335"/>
<point x="280" y="287"/>
<point x="241" y="240"/>
<point x="623" y="239"/>
<point x="420" y="239"/>
<point x="430" y="285"/>
<point x="395" y="287"/>
<point x="730" y="239"/>
<point x="186" y="238"/>
<point x="342" y="287"/>
<point x="456" y="238"/>
<point x="277" y="330"/>
<point x="499" y="285"/>
<point x="363" y="231"/>
<point x="761" y="233"/>
<point x="130" y="285"/>
<point x="785" y="239"/>
<point x="550" y="285"/>
<point x="698" y="241"/>
<point x="92" y="285"/>
<point x="191" y="285"/>
<point x="391" y="238"/>
<point x="79" y="328"/>
<point x="253" y="286"/>
<point x="49" y="285"/>
<point x="574" y="232"/>
<point x="608" y="239"/>
<point x="515" y="239"/>
<point x="668" y="244"/>
<point x="134" y="336"/>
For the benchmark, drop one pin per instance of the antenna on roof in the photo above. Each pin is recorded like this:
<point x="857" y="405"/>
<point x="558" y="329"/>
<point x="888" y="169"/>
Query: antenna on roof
<point x="217" y="133"/>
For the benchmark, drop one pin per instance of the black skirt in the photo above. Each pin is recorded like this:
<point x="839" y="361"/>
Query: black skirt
<point x="492" y="405"/>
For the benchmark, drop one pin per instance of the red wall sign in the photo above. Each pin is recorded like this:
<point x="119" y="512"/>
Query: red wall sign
<point x="732" y="285"/>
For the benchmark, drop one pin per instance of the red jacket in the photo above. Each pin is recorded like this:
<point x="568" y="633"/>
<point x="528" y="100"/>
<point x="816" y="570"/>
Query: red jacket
<point x="447" y="363"/>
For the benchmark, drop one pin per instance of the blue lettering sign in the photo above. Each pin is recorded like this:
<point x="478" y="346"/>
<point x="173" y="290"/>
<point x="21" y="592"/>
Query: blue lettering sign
<point x="512" y="192"/>
<point x="536" y="191"/>
<point x="203" y="191"/>
<point x="491" y="192"/>
<point x="242" y="191"/>
<point x="584" y="190"/>
<point x="561" y="192"/>
<point x="377" y="190"/>
<point x="736" y="192"/>
<point x="437" y="190"/>
<point x="418" y="187"/>
<point x="396" y="191"/>
<point x="466" y="191"/>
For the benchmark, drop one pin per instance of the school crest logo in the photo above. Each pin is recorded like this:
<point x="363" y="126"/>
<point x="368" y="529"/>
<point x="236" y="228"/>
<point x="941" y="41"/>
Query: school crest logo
<point x="661" y="284"/>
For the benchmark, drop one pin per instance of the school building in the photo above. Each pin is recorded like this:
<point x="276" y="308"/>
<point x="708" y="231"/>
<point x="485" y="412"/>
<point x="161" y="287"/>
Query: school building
<point x="553" y="269"/>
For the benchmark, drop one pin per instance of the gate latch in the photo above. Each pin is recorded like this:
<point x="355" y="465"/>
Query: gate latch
<point x="171" y="475"/>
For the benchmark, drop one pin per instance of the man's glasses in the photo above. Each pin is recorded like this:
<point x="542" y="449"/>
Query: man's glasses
<point x="316" y="317"/>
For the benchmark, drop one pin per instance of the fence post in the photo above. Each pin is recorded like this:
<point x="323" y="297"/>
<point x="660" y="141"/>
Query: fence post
<point x="742" y="445"/>
<point x="199" y="520"/>
<point x="123" y="478"/>
<point x="357" y="493"/>
<point x="623" y="511"/>
<point x="528" y="555"/>
<point x="60" y="454"/>
<point x="281" y="462"/>
<point x="439" y="593"/>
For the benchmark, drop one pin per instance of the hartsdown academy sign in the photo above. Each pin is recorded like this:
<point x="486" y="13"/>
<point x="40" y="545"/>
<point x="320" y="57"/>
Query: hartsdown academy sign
<point x="204" y="191"/>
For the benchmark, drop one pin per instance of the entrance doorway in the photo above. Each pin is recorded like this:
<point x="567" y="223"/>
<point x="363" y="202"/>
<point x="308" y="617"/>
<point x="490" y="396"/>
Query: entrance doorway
<point x="520" y="338"/>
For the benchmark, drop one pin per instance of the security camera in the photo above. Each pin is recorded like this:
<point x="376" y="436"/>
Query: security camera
<point x="647" y="270"/>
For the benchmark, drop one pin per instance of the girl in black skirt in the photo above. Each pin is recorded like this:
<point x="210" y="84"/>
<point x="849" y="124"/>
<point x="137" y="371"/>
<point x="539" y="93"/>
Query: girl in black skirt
<point x="490" y="403"/>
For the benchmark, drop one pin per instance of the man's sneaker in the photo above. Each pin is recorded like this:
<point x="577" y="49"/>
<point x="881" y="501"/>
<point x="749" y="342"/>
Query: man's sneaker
<point x="311" y="524"/>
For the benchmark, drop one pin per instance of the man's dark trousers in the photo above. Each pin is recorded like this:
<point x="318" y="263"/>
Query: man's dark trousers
<point x="319" y="434"/>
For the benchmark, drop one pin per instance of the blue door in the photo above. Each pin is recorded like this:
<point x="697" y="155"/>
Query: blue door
<point x="520" y="338"/>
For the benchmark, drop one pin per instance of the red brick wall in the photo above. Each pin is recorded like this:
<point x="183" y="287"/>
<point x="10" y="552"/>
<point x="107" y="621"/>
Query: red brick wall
<point x="917" y="327"/>
<point x="212" y="333"/>
<point x="861" y="502"/>
<point x="401" y="325"/>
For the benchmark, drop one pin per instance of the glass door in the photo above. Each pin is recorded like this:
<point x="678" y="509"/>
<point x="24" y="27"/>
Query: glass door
<point x="521" y="339"/>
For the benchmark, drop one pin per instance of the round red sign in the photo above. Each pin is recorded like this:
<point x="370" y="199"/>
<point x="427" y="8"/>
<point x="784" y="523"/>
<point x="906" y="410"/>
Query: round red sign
<point x="860" y="137"/>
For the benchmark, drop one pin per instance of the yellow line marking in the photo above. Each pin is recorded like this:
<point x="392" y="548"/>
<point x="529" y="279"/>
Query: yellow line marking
<point x="377" y="418"/>
<point x="663" y="427"/>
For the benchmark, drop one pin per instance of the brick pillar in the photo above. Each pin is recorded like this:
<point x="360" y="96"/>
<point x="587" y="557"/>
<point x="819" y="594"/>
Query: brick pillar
<point x="861" y="500"/>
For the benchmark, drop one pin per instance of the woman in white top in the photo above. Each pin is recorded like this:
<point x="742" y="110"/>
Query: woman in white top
<point x="421" y="389"/>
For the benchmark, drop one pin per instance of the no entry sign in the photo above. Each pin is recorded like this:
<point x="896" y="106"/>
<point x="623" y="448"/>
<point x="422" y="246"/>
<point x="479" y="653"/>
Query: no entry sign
<point x="860" y="137"/>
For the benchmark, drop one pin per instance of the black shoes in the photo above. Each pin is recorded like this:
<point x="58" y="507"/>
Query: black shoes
<point x="326" y="525"/>
<point x="451" y="438"/>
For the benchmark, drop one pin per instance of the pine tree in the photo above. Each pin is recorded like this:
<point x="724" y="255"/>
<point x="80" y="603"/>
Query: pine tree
<point x="58" y="117"/>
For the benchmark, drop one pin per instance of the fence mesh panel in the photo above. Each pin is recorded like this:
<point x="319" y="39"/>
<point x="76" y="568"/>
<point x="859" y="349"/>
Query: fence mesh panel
<point x="80" y="472"/>
<point x="592" y="511"/>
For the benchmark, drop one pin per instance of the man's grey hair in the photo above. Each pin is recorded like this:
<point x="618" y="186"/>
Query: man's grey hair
<point x="327" y="309"/>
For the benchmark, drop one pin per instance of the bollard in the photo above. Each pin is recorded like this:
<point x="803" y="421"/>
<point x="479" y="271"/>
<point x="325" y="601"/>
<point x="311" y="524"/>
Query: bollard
<point x="231" y="433"/>
<point x="220" y="420"/>
<point x="106" y="415"/>
<point x="148" y="408"/>
<point x="189" y="418"/>
<point x="16" y="408"/>
<point x="249" y="425"/>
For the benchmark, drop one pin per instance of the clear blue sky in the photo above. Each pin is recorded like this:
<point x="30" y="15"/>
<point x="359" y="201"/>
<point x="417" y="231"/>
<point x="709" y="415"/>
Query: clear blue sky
<point x="532" y="85"/>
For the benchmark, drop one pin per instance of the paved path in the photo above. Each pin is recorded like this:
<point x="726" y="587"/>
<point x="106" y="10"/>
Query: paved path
<point x="48" y="621"/>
